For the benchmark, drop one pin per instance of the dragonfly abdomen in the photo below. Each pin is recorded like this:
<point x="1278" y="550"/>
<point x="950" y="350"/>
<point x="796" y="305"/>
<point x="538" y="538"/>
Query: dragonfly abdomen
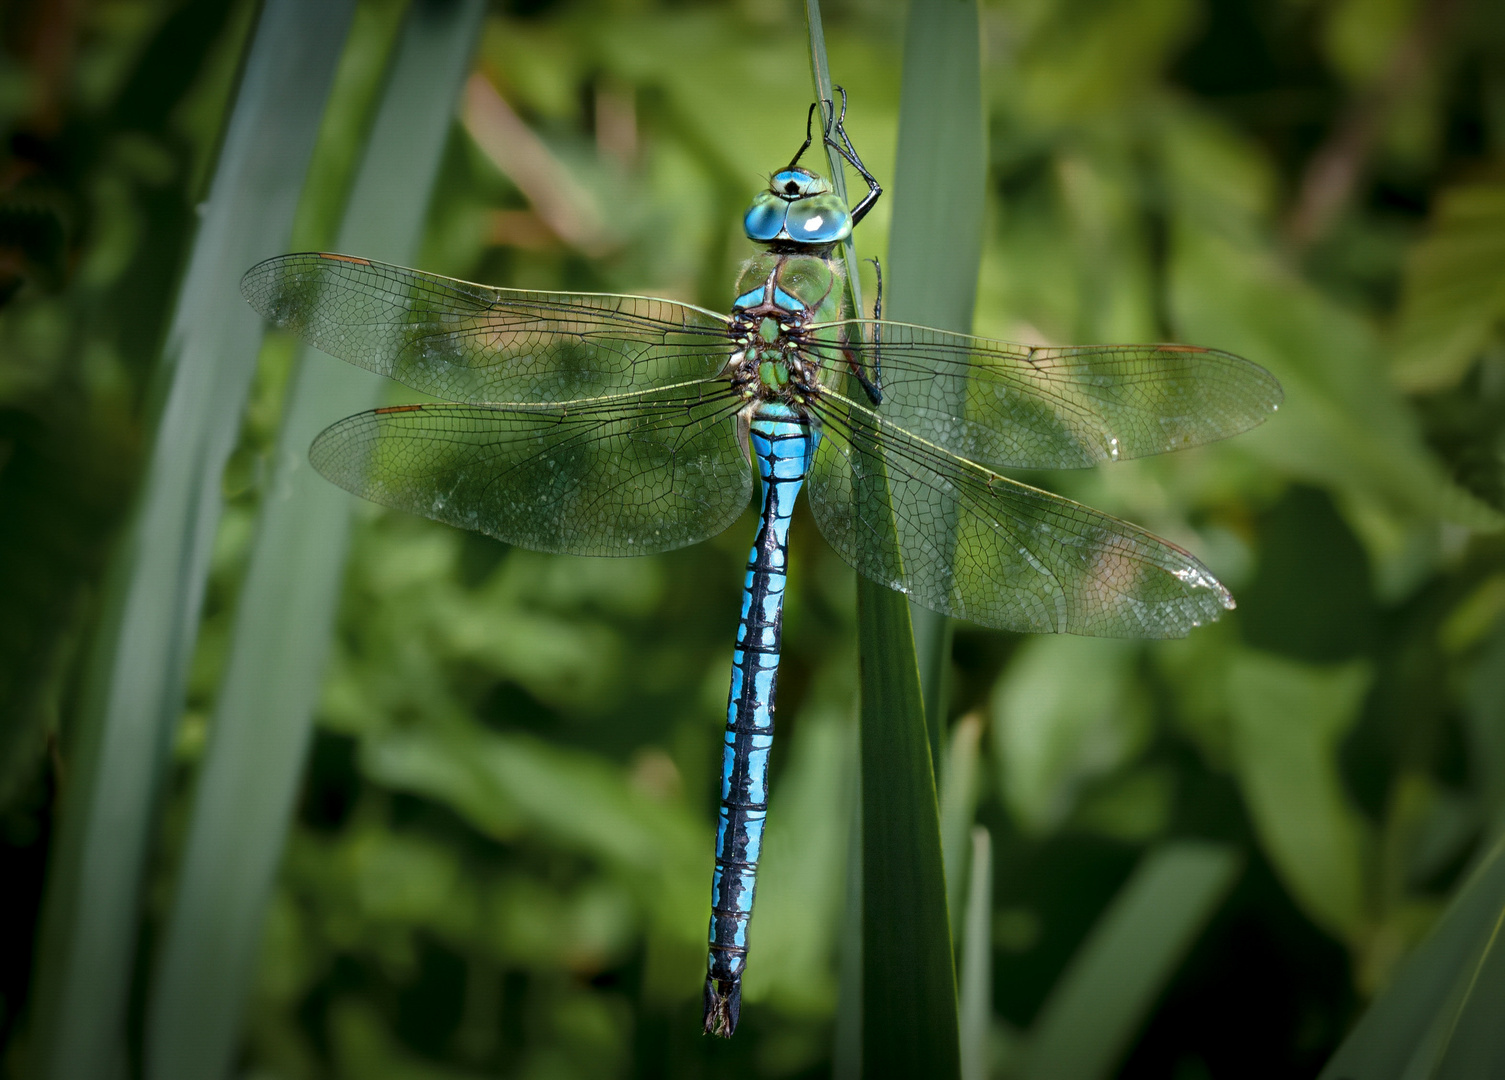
<point x="782" y="448"/>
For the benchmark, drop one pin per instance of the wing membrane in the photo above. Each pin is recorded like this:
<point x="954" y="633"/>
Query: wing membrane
<point x="1018" y="406"/>
<point x="975" y="545"/>
<point x="480" y="344"/>
<point x="626" y="475"/>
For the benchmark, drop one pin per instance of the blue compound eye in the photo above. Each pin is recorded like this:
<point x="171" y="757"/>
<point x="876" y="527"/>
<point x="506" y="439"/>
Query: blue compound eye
<point x="818" y="221"/>
<point x="764" y="219"/>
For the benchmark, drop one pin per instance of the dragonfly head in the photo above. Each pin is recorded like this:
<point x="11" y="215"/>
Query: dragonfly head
<point x="798" y="208"/>
<point x="797" y="183"/>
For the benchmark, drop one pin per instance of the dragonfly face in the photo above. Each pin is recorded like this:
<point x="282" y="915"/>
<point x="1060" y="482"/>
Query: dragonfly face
<point x="605" y="424"/>
<point x="799" y="208"/>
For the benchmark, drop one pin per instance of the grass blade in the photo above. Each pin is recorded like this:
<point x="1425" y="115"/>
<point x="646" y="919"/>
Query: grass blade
<point x="1409" y="1028"/>
<point x="261" y="727"/>
<point x="909" y="1024"/>
<point x="977" y="960"/>
<point x="1096" y="1008"/>
<point x="1476" y="1044"/>
<point x="935" y="242"/>
<point x="134" y="693"/>
<point x="960" y="780"/>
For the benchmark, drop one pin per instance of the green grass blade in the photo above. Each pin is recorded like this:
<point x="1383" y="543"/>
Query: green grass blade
<point x="847" y="1051"/>
<point x="261" y="726"/>
<point x="1410" y="1029"/>
<point x="977" y="960"/>
<point x="820" y="73"/>
<point x="935" y="242"/>
<point x="1476" y="1042"/>
<point x="134" y="693"/>
<point x="959" y="792"/>
<point x="909" y="1023"/>
<point x="1095" y="1010"/>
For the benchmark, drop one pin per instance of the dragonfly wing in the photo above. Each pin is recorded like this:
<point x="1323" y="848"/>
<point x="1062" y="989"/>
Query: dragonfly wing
<point x="478" y="343"/>
<point x="625" y="475"/>
<point x="975" y="545"/>
<point x="1022" y="407"/>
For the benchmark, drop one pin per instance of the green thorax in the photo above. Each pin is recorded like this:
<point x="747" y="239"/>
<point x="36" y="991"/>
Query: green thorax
<point x="814" y="281"/>
<point x="778" y="295"/>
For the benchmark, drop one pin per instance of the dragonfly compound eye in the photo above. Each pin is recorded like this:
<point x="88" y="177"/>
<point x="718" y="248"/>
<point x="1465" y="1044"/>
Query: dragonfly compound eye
<point x="764" y="219"/>
<point x="820" y="219"/>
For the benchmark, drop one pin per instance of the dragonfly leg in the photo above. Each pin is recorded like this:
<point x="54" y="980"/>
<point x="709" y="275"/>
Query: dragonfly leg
<point x="809" y="117"/>
<point x="836" y="137"/>
<point x="872" y="387"/>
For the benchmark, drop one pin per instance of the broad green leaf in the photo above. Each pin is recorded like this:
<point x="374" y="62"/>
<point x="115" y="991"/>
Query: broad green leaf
<point x="1065" y="711"/>
<point x="1288" y="720"/>
<point x="908" y="982"/>
<point x="1096" y="1008"/>
<point x="1342" y="424"/>
<point x="509" y="785"/>
<point x="1454" y="298"/>
<point x="134" y="695"/>
<point x="513" y="788"/>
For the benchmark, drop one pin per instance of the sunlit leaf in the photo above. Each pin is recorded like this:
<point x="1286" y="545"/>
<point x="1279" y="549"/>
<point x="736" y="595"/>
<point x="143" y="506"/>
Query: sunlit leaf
<point x="1066" y="710"/>
<point x="1454" y="294"/>
<point x="1288" y="719"/>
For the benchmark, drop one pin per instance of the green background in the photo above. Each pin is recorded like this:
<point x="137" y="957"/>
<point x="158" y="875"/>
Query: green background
<point x="1208" y="857"/>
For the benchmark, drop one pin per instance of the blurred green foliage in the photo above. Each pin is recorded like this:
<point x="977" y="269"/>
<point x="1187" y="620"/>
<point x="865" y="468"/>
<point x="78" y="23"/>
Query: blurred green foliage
<point x="501" y="854"/>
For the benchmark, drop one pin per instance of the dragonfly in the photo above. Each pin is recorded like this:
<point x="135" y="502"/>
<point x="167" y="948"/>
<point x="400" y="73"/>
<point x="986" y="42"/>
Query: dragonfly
<point x="607" y="424"/>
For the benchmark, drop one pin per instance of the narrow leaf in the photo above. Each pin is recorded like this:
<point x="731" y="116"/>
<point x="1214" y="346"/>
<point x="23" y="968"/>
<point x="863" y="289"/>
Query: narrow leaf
<point x="1408" y="1028"/>
<point x="977" y="960"/>
<point x="261" y="724"/>
<point x="908" y="981"/>
<point x="935" y="241"/>
<point x="134" y="688"/>
<point x="1097" y="1007"/>
<point x="959" y="784"/>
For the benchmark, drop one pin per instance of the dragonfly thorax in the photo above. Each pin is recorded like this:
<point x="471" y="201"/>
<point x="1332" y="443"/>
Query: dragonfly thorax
<point x="770" y="364"/>
<point x="779" y="297"/>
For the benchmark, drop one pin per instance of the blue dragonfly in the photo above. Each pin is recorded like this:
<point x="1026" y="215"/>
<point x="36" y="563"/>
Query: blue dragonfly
<point x="604" y="424"/>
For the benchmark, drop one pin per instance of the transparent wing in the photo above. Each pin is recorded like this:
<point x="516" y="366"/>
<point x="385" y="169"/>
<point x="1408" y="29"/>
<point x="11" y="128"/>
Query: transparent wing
<point x="477" y="343"/>
<point x="1016" y="406"/>
<point x="974" y="545"/>
<point x="626" y="475"/>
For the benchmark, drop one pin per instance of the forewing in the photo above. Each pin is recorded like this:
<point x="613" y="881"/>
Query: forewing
<point x="974" y="545"/>
<point x="626" y="475"/>
<point x="481" y="344"/>
<point x="1017" y="406"/>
